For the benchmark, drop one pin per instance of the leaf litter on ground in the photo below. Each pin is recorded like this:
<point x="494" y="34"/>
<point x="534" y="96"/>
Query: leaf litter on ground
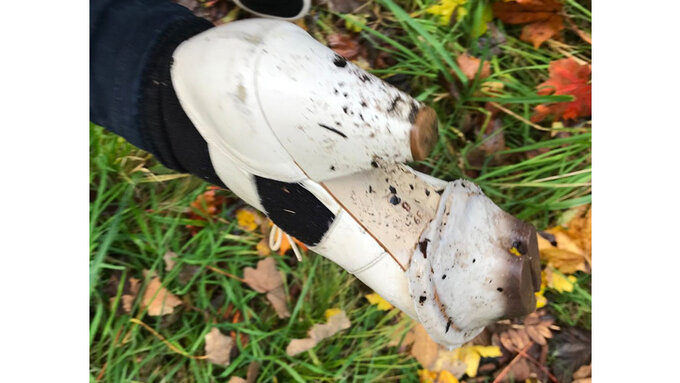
<point x="218" y="347"/>
<point x="543" y="18"/>
<point x="266" y="278"/>
<point x="336" y="321"/>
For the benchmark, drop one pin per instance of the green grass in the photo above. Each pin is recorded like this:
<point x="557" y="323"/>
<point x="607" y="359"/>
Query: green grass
<point x="138" y="212"/>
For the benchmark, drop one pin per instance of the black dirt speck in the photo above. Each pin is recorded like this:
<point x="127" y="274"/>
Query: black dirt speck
<point x="339" y="61"/>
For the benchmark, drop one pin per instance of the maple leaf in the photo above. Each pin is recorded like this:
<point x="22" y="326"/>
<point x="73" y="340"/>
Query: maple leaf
<point x="336" y="321"/>
<point x="158" y="300"/>
<point x="542" y="17"/>
<point x="567" y="77"/>
<point x="445" y="8"/>
<point x="376" y="299"/>
<point x="267" y="279"/>
<point x="218" y="347"/>
<point x="469" y="65"/>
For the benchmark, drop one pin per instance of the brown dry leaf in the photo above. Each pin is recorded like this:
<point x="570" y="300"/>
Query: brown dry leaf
<point x="542" y="17"/>
<point x="424" y="349"/>
<point x="470" y="66"/>
<point x="158" y="300"/>
<point x="536" y="328"/>
<point x="218" y="347"/>
<point x="584" y="371"/>
<point x="344" y="45"/>
<point x="169" y="259"/>
<point x="128" y="299"/>
<point x="267" y="279"/>
<point x="335" y="323"/>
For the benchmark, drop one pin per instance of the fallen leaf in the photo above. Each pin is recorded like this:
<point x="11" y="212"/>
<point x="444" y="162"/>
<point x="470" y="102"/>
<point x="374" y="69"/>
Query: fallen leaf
<point x="205" y="205"/>
<point x="567" y="77"/>
<point x="427" y="376"/>
<point x="424" y="348"/>
<point x="218" y="347"/>
<point x="559" y="282"/>
<point x="169" y="259"/>
<point x="445" y="8"/>
<point x="471" y="355"/>
<point x="536" y="327"/>
<point x="267" y="279"/>
<point x="470" y="65"/>
<point x="129" y="299"/>
<point x="158" y="300"/>
<point x="376" y="299"/>
<point x="583" y="372"/>
<point x="336" y="321"/>
<point x="262" y="248"/>
<point x="331" y="312"/>
<point x="542" y="16"/>
<point x="344" y="45"/>
<point x="444" y="376"/>
<point x="568" y="250"/>
<point x="571" y="348"/>
<point x="248" y="219"/>
<point x="541" y="300"/>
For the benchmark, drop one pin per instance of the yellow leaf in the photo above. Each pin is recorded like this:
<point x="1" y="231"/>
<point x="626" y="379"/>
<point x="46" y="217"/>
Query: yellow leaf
<point x="560" y="282"/>
<point x="471" y="358"/>
<point x="446" y="377"/>
<point x="488" y="351"/>
<point x="445" y="10"/>
<point x="247" y="220"/>
<point x="376" y="299"/>
<point x="471" y="355"/>
<point x="330" y="312"/>
<point x="541" y="300"/>
<point x="427" y="376"/>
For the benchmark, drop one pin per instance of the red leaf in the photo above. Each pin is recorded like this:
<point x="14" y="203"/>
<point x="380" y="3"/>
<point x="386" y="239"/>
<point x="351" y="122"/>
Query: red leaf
<point x="567" y="77"/>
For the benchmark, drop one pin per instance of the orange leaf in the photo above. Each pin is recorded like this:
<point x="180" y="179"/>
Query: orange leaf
<point x="567" y="77"/>
<point x="542" y="17"/>
<point x="470" y="65"/>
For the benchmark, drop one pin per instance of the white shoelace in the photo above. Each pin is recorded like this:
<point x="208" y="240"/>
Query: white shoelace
<point x="277" y="233"/>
